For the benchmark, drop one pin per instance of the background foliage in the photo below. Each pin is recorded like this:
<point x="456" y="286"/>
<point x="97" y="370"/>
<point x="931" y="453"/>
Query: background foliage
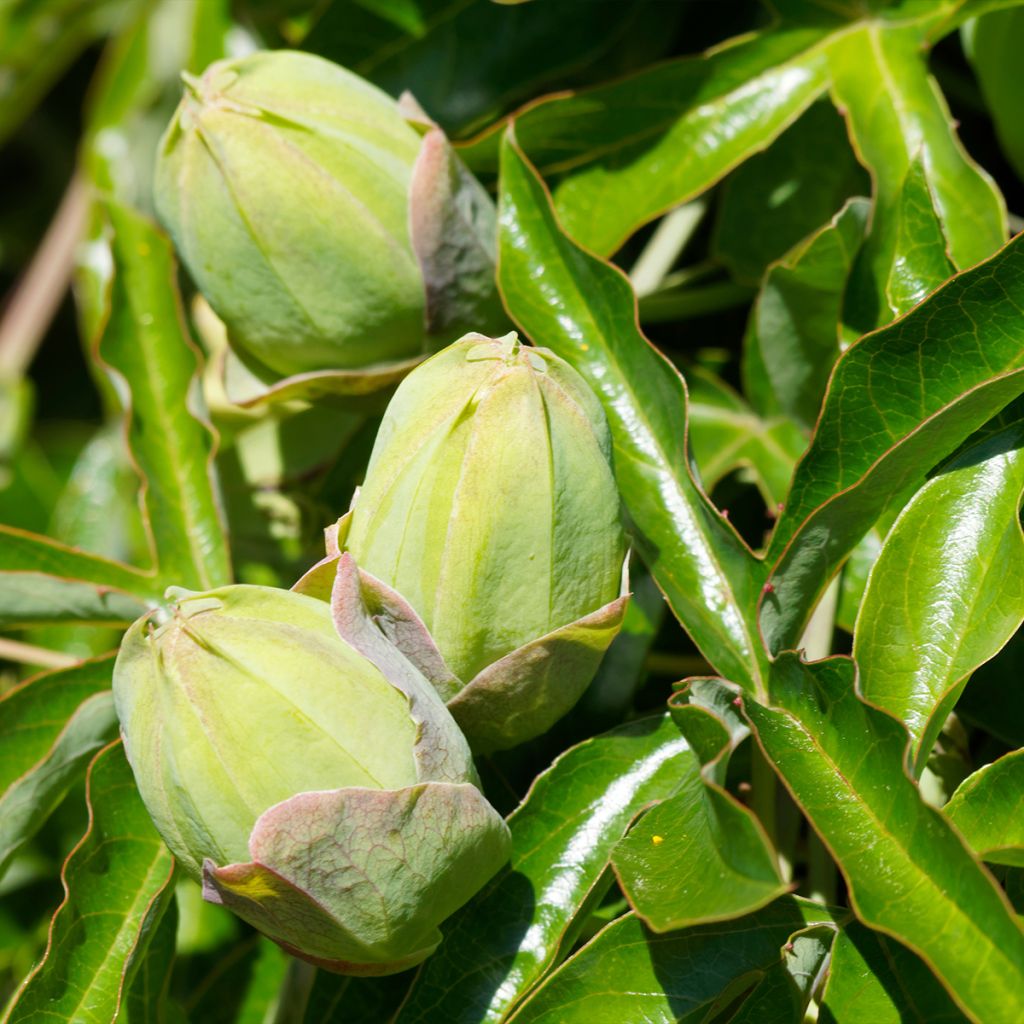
<point x="775" y="242"/>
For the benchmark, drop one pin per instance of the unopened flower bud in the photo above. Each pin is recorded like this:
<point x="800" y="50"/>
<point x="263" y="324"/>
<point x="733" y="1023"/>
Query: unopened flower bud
<point x="490" y="506"/>
<point x="331" y="807"/>
<point x="287" y="184"/>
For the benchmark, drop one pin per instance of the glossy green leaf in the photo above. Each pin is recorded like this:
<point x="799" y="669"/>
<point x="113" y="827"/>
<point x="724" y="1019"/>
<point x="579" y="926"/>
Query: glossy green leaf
<point x="920" y="252"/>
<point x="118" y="881"/>
<point x="993" y="44"/>
<point x="619" y="155"/>
<point x="50" y="728"/>
<point x="777" y="198"/>
<point x="872" y="978"/>
<point x="949" y="365"/>
<point x="725" y="434"/>
<point x="585" y="310"/>
<point x="144" y="341"/>
<point x="700" y="855"/>
<point x="628" y="973"/>
<point x="907" y="870"/>
<point x="897" y="115"/>
<point x="469" y="62"/>
<point x="947" y="591"/>
<point x="792" y="339"/>
<point x="497" y="948"/>
<point x="784" y="993"/>
<point x="988" y="810"/>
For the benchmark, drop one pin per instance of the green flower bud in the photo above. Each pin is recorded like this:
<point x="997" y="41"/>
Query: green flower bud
<point x="490" y="507"/>
<point x="284" y="182"/>
<point x="330" y="806"/>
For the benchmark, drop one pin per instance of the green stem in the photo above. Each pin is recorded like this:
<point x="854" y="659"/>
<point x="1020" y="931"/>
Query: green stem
<point x="665" y="245"/>
<point x="763" y="799"/>
<point x="821" y="871"/>
<point x="295" y="992"/>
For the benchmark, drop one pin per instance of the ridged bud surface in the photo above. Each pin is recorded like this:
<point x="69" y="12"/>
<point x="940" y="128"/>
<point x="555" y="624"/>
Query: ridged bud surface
<point x="489" y="502"/>
<point x="243" y="698"/>
<point x="284" y="181"/>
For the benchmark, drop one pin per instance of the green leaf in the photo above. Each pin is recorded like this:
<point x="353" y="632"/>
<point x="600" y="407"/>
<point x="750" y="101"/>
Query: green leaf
<point x="39" y="41"/>
<point x="907" y="870"/>
<point x="96" y="511"/>
<point x="467" y="62"/>
<point x="986" y="809"/>
<point x="700" y="855"/>
<point x="993" y="47"/>
<point x="784" y="993"/>
<point x="145" y="342"/>
<point x="777" y="198"/>
<point x="989" y="703"/>
<point x="334" y="998"/>
<point x="896" y="115"/>
<point x="148" y="1000"/>
<point x="947" y="591"/>
<point x="22" y="552"/>
<point x="627" y="973"/>
<point x="920" y="253"/>
<point x="585" y="310"/>
<point x="244" y="985"/>
<point x="50" y="728"/>
<point x="872" y="978"/>
<point x="32" y="599"/>
<point x="137" y="85"/>
<point x="496" y="948"/>
<point x="619" y="155"/>
<point x="949" y="365"/>
<point x="792" y="339"/>
<point x="118" y="882"/>
<point x="725" y="434"/>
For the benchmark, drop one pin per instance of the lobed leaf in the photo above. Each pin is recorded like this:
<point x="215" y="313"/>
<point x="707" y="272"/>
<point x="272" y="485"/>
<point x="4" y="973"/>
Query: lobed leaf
<point x="775" y="200"/>
<point x="920" y="261"/>
<point x="784" y="992"/>
<point x="908" y="872"/>
<point x="503" y="941"/>
<point x="792" y="339"/>
<point x="872" y="978"/>
<point x="117" y="881"/>
<point x="618" y="155"/>
<point x="585" y="310"/>
<point x="993" y="46"/>
<point x="468" y="63"/>
<point x="145" y="342"/>
<point x="700" y="855"/>
<point x="34" y="599"/>
<point x="726" y="434"/>
<point x="629" y="973"/>
<point x="986" y="809"/>
<point x="899" y="401"/>
<point x="897" y="116"/>
<point x="50" y="728"/>
<point x="947" y="591"/>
